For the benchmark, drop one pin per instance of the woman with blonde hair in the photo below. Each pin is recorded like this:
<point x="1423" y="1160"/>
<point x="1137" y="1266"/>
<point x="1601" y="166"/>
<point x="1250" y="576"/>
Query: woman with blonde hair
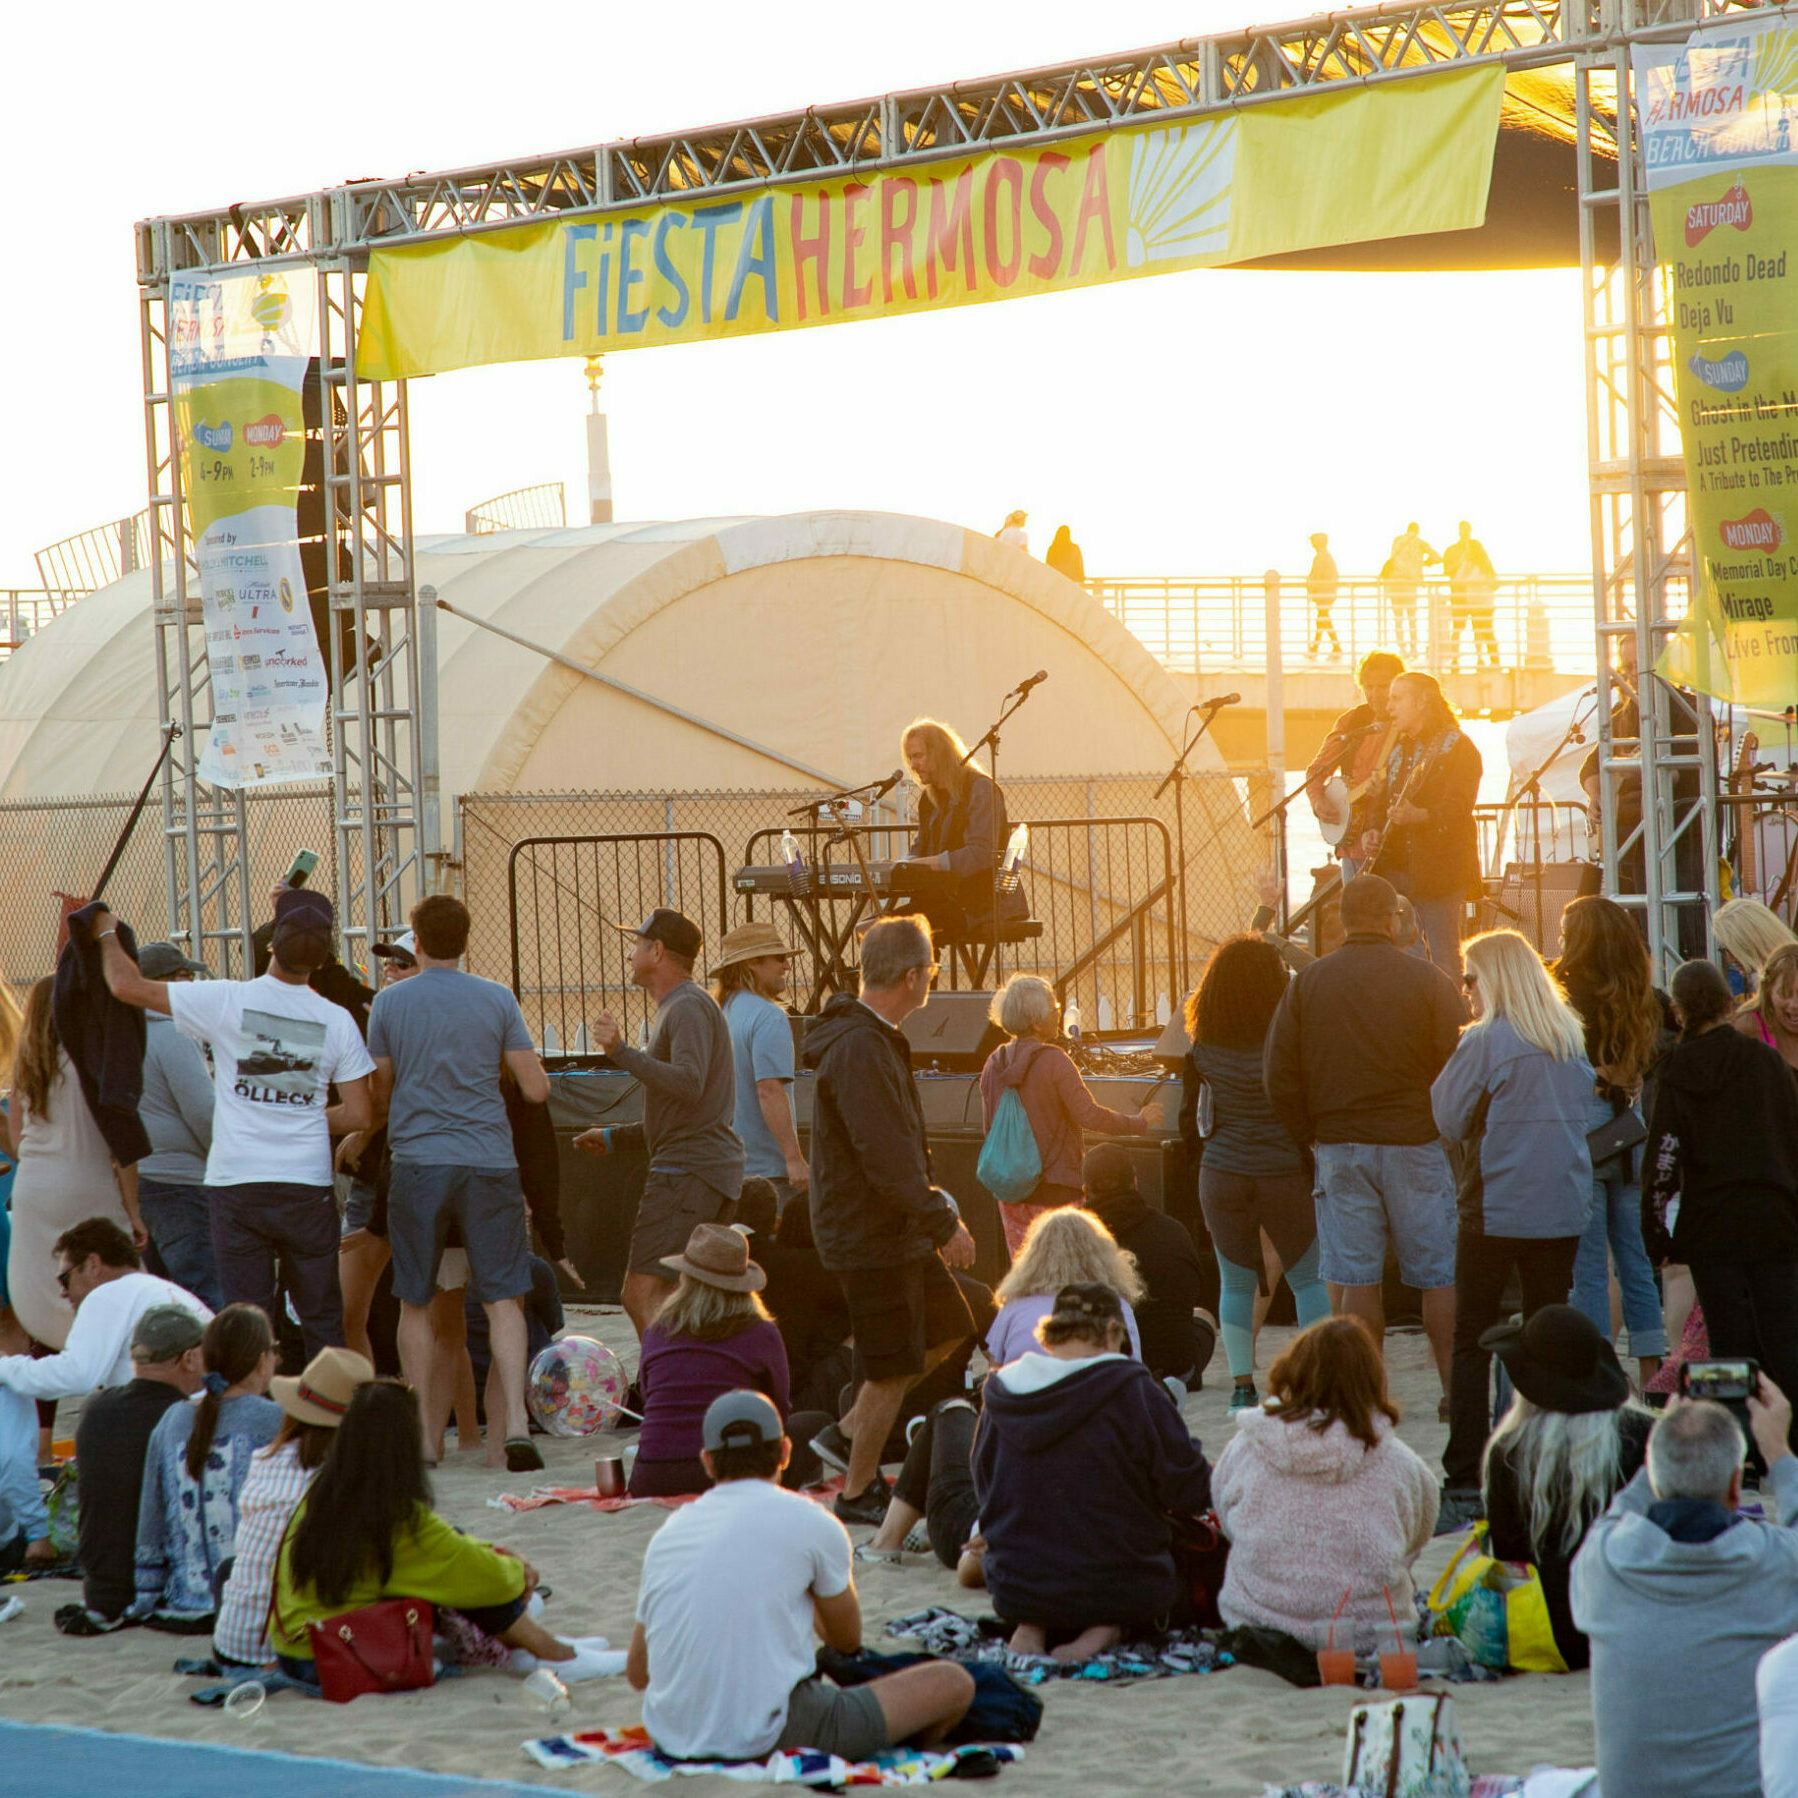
<point x="66" y="1172"/>
<point x="1064" y="1247"/>
<point x="962" y="830"/>
<point x="12" y="1025"/>
<point x="1516" y="1095"/>
<point x="1054" y="1097"/>
<point x="1748" y="933"/>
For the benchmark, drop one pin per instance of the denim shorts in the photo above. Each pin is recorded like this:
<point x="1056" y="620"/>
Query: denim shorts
<point x="487" y="1205"/>
<point x="1370" y="1194"/>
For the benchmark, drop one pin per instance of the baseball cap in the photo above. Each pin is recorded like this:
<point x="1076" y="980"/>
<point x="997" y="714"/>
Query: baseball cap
<point x="163" y="1332"/>
<point x="670" y="929"/>
<point x="300" y="908"/>
<point x="403" y="947"/>
<point x="740" y="1420"/>
<point x="161" y="961"/>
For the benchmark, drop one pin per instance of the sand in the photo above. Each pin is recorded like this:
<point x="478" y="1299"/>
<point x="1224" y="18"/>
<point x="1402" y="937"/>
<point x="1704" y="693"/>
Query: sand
<point x="1228" y="1733"/>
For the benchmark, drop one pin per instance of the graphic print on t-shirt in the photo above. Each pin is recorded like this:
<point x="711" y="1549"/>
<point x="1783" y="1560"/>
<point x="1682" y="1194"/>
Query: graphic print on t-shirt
<point x="280" y="1063"/>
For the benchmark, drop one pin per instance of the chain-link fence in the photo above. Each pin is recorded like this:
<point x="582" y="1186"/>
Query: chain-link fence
<point x="1101" y="879"/>
<point x="47" y="848"/>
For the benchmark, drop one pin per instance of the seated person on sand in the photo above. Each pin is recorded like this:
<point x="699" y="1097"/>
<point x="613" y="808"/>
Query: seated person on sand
<point x="365" y="1531"/>
<point x="1063" y="1247"/>
<point x="712" y="1335"/>
<point x="1320" y="1498"/>
<point x="935" y="1487"/>
<point x="734" y="1589"/>
<point x="312" y="1406"/>
<point x="112" y="1442"/>
<point x="1570" y="1442"/>
<point x="806" y="1301"/>
<point x="1080" y="1458"/>
<point x="198" y="1459"/>
<point x="24" y="1517"/>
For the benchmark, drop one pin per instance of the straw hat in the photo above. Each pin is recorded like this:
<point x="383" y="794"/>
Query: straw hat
<point x="719" y="1256"/>
<point x="749" y="942"/>
<point x="323" y="1392"/>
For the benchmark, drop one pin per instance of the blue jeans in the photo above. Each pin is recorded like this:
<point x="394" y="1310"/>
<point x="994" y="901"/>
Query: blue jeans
<point x="1371" y="1196"/>
<point x="179" y="1220"/>
<point x="1439" y="933"/>
<point x="1616" y="1222"/>
<point x="255" y="1222"/>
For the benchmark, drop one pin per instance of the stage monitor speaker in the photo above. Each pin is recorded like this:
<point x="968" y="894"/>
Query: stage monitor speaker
<point x="1515" y="906"/>
<point x="953" y="1032"/>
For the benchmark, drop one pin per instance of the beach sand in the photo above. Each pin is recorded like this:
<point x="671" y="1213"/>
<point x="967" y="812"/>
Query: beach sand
<point x="1228" y="1733"/>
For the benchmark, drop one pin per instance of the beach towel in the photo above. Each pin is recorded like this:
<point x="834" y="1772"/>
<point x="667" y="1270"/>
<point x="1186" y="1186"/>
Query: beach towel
<point x="974" y="1641"/>
<point x="632" y="1750"/>
<point x="1485" y="1785"/>
<point x="539" y="1496"/>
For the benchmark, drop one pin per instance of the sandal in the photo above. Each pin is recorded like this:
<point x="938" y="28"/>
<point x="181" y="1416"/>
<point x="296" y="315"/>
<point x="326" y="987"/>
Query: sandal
<point x="522" y="1455"/>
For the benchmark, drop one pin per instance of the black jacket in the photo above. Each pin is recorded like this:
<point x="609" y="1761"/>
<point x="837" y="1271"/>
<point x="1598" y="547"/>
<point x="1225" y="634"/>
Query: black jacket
<point x="1357" y="1040"/>
<point x="1169" y="1264"/>
<point x="1075" y="1483"/>
<point x="872" y="1201"/>
<point x="1723" y="1137"/>
<point x="104" y="1039"/>
<point x="972" y="831"/>
<point x="1438" y="858"/>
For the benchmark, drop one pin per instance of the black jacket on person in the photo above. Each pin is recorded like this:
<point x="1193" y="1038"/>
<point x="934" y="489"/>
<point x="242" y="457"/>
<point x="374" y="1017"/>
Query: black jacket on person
<point x="1723" y="1137"/>
<point x="871" y="1197"/>
<point x="1508" y="1525"/>
<point x="1438" y="858"/>
<point x="112" y="1442"/>
<point x="972" y="831"/>
<point x="809" y="1308"/>
<point x="1356" y="1042"/>
<point x="103" y="1038"/>
<point x="1172" y="1273"/>
<point x="1076" y="1479"/>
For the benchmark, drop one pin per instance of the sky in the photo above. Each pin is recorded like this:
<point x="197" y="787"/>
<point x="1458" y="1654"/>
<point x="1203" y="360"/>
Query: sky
<point x="1198" y="423"/>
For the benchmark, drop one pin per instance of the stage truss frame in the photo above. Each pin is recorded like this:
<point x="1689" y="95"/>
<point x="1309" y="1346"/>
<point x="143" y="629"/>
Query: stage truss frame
<point x="382" y="758"/>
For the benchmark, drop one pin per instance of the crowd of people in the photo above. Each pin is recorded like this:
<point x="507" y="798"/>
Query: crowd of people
<point x="1457" y="1127"/>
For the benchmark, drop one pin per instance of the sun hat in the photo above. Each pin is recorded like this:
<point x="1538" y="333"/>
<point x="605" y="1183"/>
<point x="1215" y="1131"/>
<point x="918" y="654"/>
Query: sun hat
<point x="749" y="942"/>
<point x="668" y="927"/>
<point x="160" y="961"/>
<point x="402" y="947"/>
<point x="740" y="1420"/>
<point x="1560" y="1361"/>
<point x="323" y="1392"/>
<point x="717" y="1255"/>
<point x="163" y="1333"/>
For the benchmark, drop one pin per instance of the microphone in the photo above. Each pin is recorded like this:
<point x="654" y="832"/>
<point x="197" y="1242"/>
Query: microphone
<point x="1036" y="680"/>
<point x="886" y="786"/>
<point x="1218" y="704"/>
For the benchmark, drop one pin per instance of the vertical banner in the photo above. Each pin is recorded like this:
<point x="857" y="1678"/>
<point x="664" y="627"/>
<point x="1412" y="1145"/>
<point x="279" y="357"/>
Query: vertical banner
<point x="238" y="350"/>
<point x="1716" y="119"/>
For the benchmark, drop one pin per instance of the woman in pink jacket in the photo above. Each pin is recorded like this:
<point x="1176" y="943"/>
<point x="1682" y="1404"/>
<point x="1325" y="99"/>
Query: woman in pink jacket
<point x="1055" y="1099"/>
<point x="1320" y="1499"/>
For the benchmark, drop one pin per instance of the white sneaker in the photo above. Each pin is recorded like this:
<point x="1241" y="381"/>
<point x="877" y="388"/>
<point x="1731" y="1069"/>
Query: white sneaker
<point x="588" y="1663"/>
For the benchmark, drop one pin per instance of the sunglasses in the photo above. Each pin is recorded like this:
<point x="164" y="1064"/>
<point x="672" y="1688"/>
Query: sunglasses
<point x="63" y="1279"/>
<point x="1469" y="982"/>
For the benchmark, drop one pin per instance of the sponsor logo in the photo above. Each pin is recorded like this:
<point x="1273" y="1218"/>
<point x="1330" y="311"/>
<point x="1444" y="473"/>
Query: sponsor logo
<point x="249" y="663"/>
<point x="1734" y="211"/>
<point x="285" y="593"/>
<point x="216" y="438"/>
<point x="282" y="660"/>
<point x="265" y="433"/>
<point x="1758" y="530"/>
<point x="1723" y="374"/>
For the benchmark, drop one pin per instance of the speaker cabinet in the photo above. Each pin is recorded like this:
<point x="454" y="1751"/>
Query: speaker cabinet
<point x="952" y="1032"/>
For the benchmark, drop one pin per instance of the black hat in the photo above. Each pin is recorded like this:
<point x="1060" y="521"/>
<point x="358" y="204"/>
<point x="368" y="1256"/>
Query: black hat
<point x="1108" y="1170"/>
<point x="670" y="929"/>
<point x="1560" y="1362"/>
<point x="300" y="908"/>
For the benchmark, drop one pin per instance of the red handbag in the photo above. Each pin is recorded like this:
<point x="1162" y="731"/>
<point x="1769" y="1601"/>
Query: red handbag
<point x="1201" y="1554"/>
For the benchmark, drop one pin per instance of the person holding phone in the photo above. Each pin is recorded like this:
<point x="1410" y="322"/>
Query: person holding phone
<point x="1720" y="1189"/>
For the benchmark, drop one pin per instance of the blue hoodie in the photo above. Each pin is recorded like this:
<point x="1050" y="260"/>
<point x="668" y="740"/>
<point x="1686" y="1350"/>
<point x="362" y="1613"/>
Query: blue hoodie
<point x="1076" y="1467"/>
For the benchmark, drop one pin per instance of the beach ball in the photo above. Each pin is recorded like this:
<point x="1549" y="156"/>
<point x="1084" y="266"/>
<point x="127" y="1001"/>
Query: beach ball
<point x="576" y="1386"/>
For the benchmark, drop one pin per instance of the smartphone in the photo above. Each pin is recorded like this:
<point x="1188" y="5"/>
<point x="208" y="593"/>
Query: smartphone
<point x="1726" y="1381"/>
<point x="303" y="864"/>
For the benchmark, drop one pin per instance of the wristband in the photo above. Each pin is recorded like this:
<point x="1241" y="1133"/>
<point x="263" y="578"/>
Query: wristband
<point x="110" y="930"/>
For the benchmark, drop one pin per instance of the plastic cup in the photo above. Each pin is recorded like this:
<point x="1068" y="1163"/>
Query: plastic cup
<point x="1336" y="1666"/>
<point x="245" y="1699"/>
<point x="1398" y="1670"/>
<point x="544" y="1690"/>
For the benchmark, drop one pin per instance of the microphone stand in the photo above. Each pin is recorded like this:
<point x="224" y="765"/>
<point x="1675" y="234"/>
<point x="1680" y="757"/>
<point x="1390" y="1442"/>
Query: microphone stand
<point x="837" y="805"/>
<point x="1531" y="787"/>
<point x="1176" y="777"/>
<point x="1012" y="703"/>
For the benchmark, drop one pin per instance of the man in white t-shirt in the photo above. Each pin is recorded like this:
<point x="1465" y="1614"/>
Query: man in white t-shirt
<point x="276" y="1049"/>
<point x="733" y="1589"/>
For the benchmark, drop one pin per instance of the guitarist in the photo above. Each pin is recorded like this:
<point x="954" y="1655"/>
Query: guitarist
<point x="1428" y="846"/>
<point x="1356" y="749"/>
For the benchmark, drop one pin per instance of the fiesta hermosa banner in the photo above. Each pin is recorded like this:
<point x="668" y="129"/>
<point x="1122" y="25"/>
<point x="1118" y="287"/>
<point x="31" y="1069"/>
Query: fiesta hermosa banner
<point x="1716" y="119"/>
<point x="1382" y="161"/>
<point x="238" y="348"/>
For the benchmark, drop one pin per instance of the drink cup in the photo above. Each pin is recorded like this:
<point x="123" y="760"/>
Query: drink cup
<point x="609" y="1476"/>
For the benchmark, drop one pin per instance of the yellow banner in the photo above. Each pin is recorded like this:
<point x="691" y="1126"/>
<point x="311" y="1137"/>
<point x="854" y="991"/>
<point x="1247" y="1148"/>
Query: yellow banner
<point x="1373" y="162"/>
<point x="1716" y="119"/>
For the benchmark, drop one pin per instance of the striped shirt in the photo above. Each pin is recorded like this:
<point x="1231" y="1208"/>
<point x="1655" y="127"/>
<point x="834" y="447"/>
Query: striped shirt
<point x="271" y="1492"/>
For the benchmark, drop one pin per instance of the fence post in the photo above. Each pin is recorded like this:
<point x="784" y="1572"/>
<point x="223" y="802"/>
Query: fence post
<point x="1276" y="675"/>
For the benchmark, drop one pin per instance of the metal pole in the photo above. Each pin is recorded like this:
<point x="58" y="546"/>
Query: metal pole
<point x="430" y="787"/>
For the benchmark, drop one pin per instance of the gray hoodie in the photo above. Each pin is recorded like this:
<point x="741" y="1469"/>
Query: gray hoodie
<point x="1677" y="1628"/>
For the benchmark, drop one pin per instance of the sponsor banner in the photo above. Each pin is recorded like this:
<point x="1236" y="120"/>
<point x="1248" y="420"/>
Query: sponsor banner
<point x="238" y="348"/>
<point x="1716" y="118"/>
<point x="1145" y="199"/>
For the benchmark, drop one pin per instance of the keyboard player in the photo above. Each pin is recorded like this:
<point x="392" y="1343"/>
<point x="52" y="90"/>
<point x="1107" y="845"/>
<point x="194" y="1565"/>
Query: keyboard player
<point x="962" y="829"/>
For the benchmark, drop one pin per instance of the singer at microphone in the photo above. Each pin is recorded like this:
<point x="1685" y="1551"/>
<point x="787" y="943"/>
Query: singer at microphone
<point x="962" y="831"/>
<point x="1342" y="782"/>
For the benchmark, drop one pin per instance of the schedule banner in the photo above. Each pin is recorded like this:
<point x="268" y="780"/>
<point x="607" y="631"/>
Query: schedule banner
<point x="1716" y="121"/>
<point x="238" y="349"/>
<point x="1330" y="168"/>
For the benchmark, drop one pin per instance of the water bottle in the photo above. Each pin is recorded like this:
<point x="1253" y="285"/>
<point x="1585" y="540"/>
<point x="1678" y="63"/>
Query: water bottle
<point x="1017" y="847"/>
<point x="1070" y="1021"/>
<point x="794" y="857"/>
